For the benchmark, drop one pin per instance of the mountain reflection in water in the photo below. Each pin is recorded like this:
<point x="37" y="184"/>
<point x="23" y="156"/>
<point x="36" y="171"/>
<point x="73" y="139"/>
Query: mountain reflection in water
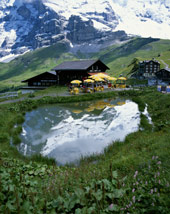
<point x="67" y="132"/>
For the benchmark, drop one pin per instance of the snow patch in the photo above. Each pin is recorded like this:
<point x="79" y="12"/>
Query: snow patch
<point x="100" y="26"/>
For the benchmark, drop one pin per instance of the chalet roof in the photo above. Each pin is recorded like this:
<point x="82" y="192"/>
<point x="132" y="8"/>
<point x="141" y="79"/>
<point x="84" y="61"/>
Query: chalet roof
<point x="76" y="65"/>
<point x="148" y="61"/>
<point x="164" y="69"/>
<point x="50" y="72"/>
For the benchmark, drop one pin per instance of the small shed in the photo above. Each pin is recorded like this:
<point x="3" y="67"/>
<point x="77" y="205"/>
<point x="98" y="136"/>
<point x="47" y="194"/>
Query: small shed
<point x="44" y="80"/>
<point x="163" y="74"/>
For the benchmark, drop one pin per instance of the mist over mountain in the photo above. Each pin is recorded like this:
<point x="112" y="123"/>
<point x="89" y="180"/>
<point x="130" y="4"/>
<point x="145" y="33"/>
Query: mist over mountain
<point x="85" y="25"/>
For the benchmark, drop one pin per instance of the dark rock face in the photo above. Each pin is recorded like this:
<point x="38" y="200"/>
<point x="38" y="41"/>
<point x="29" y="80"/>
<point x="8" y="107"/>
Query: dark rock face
<point x="81" y="31"/>
<point x="24" y="12"/>
<point x="34" y="25"/>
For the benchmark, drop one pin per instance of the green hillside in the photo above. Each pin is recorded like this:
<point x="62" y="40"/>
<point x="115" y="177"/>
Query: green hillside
<point x="117" y="57"/>
<point x="32" y="63"/>
<point x="121" y="57"/>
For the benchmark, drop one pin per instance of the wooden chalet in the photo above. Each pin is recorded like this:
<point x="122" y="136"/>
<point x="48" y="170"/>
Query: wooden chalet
<point x="66" y="72"/>
<point x="148" y="69"/>
<point x="164" y="75"/>
<point x="70" y="70"/>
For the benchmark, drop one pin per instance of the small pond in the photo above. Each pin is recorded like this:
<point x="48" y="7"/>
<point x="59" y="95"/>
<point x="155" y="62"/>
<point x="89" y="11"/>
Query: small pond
<point x="68" y="131"/>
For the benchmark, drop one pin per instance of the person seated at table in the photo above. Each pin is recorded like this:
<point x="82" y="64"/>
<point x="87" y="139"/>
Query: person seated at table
<point x="109" y="85"/>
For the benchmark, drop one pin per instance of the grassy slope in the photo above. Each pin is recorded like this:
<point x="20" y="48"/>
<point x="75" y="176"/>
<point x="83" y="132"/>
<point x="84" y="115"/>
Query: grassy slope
<point x="144" y="50"/>
<point x="117" y="57"/>
<point x="33" y="63"/>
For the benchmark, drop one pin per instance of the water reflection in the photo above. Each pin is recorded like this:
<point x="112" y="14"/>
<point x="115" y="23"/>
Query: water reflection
<point x="67" y="132"/>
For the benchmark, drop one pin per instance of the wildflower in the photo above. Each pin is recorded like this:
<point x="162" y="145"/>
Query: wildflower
<point x="159" y="181"/>
<point x="158" y="174"/>
<point x="146" y="183"/>
<point x="155" y="189"/>
<point x="123" y="184"/>
<point x="151" y="191"/>
<point x="133" y="198"/>
<point x="159" y="162"/>
<point x="153" y="157"/>
<point x="137" y="183"/>
<point x="111" y="206"/>
<point x="136" y="173"/>
<point x="153" y="204"/>
<point x="167" y="185"/>
<point x="133" y="190"/>
<point x="149" y="166"/>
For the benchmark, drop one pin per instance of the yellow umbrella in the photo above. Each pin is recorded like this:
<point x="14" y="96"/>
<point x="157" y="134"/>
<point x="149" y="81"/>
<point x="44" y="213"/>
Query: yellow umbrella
<point x="76" y="111"/>
<point x="102" y="75"/>
<point x="76" y="82"/>
<point x="111" y="106"/>
<point x="107" y="77"/>
<point x="89" y="109"/>
<point x="98" y="79"/>
<point x="89" y="81"/>
<point x="93" y="76"/>
<point x="122" y="78"/>
<point x="112" y="78"/>
<point x="121" y="103"/>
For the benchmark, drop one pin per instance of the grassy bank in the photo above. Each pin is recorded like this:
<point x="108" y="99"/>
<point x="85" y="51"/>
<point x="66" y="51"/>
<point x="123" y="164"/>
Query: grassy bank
<point x="130" y="176"/>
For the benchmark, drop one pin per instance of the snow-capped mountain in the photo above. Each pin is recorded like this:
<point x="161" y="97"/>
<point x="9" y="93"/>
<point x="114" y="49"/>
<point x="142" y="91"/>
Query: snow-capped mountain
<point x="86" y="25"/>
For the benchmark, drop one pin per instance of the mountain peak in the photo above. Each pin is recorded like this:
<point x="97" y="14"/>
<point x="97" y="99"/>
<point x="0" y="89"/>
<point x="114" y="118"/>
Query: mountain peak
<point x="30" y="24"/>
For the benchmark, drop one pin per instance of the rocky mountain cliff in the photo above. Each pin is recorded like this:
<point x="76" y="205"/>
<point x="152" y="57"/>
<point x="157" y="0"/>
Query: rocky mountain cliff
<point x="84" y="24"/>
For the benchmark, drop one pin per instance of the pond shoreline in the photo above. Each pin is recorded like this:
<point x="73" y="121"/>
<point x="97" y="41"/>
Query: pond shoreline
<point x="82" y="128"/>
<point x="62" y="94"/>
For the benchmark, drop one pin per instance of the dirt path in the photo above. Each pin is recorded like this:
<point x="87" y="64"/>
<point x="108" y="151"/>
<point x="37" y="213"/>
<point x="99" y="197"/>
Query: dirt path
<point x="34" y="98"/>
<point x="63" y="94"/>
<point x="166" y="65"/>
